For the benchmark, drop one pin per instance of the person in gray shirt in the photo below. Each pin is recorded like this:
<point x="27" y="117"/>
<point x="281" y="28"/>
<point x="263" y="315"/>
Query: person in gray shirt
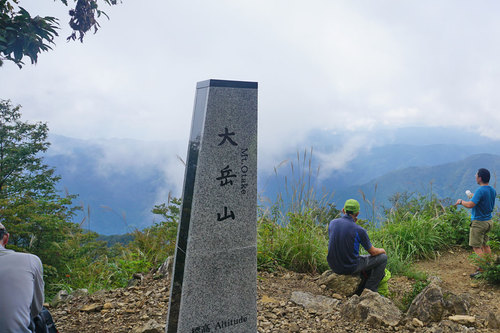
<point x="21" y="287"/>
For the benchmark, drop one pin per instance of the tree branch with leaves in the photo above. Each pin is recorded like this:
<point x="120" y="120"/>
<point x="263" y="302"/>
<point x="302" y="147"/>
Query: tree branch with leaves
<point x="22" y="35"/>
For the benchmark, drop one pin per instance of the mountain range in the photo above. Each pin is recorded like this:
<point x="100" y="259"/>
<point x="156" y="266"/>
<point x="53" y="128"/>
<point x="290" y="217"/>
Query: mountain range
<point x="119" y="181"/>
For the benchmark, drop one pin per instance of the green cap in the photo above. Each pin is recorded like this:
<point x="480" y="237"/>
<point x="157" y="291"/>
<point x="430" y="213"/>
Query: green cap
<point x="352" y="206"/>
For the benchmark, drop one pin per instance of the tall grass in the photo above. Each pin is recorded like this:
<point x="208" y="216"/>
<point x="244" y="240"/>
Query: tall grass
<point x="417" y="226"/>
<point x="298" y="246"/>
<point x="412" y="238"/>
<point x="292" y="231"/>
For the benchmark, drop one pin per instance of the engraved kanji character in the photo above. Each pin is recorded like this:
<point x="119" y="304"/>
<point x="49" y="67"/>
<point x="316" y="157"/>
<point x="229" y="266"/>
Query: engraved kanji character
<point x="225" y="137"/>
<point x="225" y="174"/>
<point x="226" y="216"/>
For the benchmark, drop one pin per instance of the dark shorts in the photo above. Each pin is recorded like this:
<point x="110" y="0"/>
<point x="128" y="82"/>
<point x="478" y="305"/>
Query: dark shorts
<point x="478" y="235"/>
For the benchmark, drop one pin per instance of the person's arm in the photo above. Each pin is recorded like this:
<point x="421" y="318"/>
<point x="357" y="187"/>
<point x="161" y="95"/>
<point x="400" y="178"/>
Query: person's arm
<point x="466" y="204"/>
<point x="375" y="251"/>
<point x="38" y="287"/>
<point x="365" y="241"/>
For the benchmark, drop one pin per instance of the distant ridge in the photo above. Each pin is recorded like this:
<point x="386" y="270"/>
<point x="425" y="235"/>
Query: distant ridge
<point x="449" y="180"/>
<point x="120" y="180"/>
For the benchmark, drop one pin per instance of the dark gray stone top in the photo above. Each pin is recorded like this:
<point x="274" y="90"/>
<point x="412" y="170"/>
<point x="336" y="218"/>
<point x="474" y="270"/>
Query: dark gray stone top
<point x="227" y="84"/>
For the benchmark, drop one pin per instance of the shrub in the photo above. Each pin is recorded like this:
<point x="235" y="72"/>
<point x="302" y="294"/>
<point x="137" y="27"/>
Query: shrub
<point x="490" y="268"/>
<point x="454" y="225"/>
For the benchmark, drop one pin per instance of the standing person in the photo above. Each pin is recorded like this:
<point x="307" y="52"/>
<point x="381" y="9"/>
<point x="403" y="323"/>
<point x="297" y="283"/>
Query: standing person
<point x="482" y="204"/>
<point x="345" y="236"/>
<point x="21" y="288"/>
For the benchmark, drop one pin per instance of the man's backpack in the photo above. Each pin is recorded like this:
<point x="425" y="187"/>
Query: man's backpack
<point x="44" y="322"/>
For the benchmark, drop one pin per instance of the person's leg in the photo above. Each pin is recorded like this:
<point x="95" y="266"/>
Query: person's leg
<point x="364" y="276"/>
<point x="477" y="239"/>
<point x="478" y="250"/>
<point x="377" y="266"/>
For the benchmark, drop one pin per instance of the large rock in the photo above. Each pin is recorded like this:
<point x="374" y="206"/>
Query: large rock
<point x="345" y="285"/>
<point x="434" y="303"/>
<point x="319" y="304"/>
<point x="429" y="305"/>
<point x="372" y="308"/>
<point x="455" y="304"/>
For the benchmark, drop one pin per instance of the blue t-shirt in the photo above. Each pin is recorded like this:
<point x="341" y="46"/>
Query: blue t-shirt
<point x="484" y="198"/>
<point x="343" y="247"/>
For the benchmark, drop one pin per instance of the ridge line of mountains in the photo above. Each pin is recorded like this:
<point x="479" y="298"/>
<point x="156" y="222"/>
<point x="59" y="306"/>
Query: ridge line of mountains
<point x="120" y="181"/>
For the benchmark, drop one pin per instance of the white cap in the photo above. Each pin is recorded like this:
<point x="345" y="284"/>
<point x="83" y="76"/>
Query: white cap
<point x="2" y="227"/>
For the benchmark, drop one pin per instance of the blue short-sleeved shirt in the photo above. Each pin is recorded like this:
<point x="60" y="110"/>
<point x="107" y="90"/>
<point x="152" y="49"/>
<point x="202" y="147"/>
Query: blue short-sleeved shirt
<point x="343" y="247"/>
<point x="484" y="198"/>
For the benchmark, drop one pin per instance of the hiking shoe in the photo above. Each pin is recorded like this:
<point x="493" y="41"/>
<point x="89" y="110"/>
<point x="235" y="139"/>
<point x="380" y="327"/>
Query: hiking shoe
<point x="476" y="274"/>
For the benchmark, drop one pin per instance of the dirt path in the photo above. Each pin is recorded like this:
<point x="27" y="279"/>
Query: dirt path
<point x="454" y="267"/>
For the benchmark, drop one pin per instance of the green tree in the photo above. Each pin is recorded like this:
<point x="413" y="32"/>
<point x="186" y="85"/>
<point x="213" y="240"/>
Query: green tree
<point x="23" y="35"/>
<point x="38" y="218"/>
<point x="22" y="172"/>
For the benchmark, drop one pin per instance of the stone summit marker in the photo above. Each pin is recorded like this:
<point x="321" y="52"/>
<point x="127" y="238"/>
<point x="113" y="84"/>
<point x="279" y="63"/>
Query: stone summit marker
<point x="214" y="285"/>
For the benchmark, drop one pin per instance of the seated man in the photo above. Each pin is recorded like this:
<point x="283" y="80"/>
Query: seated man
<point x="21" y="288"/>
<point x="343" y="249"/>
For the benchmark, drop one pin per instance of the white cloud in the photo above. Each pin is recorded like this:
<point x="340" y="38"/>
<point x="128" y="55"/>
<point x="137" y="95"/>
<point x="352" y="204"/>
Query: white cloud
<point x="340" y="157"/>
<point x="333" y="66"/>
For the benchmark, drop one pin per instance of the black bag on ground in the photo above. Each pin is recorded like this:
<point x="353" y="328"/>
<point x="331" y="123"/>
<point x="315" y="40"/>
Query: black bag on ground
<point x="44" y="323"/>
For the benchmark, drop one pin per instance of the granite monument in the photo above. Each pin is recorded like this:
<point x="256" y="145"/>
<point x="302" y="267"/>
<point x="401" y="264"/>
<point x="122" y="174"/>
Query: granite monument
<point x="214" y="284"/>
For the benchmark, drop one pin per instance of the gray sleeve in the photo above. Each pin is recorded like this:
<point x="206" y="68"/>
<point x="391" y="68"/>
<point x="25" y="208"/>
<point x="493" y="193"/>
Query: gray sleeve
<point x="38" y="287"/>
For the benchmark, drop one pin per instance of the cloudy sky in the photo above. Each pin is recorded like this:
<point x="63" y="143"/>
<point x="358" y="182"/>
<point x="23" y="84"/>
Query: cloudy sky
<point x="350" y="67"/>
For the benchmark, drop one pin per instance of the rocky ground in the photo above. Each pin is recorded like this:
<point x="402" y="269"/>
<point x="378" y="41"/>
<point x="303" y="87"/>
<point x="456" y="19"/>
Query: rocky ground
<point x="143" y="308"/>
